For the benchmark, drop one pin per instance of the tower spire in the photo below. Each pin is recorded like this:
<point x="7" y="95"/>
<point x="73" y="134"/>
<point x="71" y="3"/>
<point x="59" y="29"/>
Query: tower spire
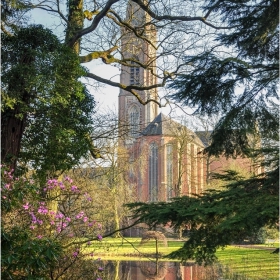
<point x="140" y="53"/>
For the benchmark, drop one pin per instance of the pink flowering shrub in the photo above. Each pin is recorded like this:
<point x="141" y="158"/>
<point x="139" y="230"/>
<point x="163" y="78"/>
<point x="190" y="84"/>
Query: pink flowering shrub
<point x="57" y="221"/>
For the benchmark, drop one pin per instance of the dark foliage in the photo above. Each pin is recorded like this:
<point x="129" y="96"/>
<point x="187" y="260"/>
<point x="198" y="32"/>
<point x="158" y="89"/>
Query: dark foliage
<point x="249" y="127"/>
<point x="242" y="86"/>
<point x="217" y="218"/>
<point x="47" y="111"/>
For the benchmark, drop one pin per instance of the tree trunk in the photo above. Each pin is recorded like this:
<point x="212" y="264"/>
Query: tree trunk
<point x="117" y="266"/>
<point x="156" y="248"/>
<point x="116" y="217"/>
<point x="13" y="124"/>
<point x="14" y="121"/>
<point x="208" y="170"/>
<point x="75" y="22"/>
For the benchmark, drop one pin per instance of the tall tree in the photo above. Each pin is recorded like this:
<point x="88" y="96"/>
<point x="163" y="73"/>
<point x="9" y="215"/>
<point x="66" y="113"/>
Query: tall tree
<point x="209" y="85"/>
<point x="47" y="111"/>
<point x="94" y="30"/>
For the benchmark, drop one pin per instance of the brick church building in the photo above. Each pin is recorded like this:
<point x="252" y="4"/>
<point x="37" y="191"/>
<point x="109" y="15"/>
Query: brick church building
<point x="165" y="156"/>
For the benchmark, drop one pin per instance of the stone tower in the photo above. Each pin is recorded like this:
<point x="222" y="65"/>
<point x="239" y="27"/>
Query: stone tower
<point x="140" y="70"/>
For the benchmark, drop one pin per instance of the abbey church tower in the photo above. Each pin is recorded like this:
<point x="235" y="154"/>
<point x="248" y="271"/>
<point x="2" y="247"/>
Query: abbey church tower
<point x="140" y="55"/>
<point x="163" y="154"/>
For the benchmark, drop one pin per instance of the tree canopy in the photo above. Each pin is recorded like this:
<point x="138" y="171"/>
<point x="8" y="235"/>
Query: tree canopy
<point x="216" y="56"/>
<point x="46" y="111"/>
<point x="235" y="40"/>
<point x="237" y="78"/>
<point x="241" y="84"/>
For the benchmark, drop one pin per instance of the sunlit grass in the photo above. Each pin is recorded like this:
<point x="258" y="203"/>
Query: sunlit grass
<point x="253" y="263"/>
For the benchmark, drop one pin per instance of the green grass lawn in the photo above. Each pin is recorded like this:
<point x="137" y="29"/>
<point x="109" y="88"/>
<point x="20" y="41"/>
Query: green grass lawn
<point x="251" y="262"/>
<point x="254" y="263"/>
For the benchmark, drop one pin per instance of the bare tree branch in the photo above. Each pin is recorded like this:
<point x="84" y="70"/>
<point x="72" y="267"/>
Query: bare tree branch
<point x="146" y="8"/>
<point x="132" y="88"/>
<point x="94" y="24"/>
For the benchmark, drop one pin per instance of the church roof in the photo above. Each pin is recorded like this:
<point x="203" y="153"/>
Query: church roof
<point x="164" y="125"/>
<point x="204" y="136"/>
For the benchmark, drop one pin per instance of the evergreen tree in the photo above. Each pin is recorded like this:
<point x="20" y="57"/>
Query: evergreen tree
<point x="249" y="127"/>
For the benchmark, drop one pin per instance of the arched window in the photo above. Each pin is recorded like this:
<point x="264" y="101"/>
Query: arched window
<point x="134" y="121"/>
<point x="153" y="172"/>
<point x="169" y="170"/>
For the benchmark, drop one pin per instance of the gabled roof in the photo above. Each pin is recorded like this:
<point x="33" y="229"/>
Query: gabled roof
<point x="161" y="125"/>
<point x="204" y="136"/>
<point x="164" y="125"/>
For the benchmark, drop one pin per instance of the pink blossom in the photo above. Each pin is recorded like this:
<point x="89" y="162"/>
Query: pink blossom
<point x="99" y="237"/>
<point x="32" y="227"/>
<point x="85" y="219"/>
<point x="99" y="226"/>
<point x="87" y="197"/>
<point x="52" y="222"/>
<point x="34" y="219"/>
<point x="68" y="179"/>
<point x="100" y="268"/>
<point x="26" y="206"/>
<point x="75" y="254"/>
<point x="68" y="219"/>
<point x="39" y="236"/>
<point x="80" y="215"/>
<point x="59" y="215"/>
<point x="4" y="197"/>
<point x="43" y="210"/>
<point x="74" y="188"/>
<point x="32" y="215"/>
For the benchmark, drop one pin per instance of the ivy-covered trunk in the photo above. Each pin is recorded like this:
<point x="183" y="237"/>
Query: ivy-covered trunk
<point x="75" y="23"/>
<point x="14" y="117"/>
<point x="12" y="128"/>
